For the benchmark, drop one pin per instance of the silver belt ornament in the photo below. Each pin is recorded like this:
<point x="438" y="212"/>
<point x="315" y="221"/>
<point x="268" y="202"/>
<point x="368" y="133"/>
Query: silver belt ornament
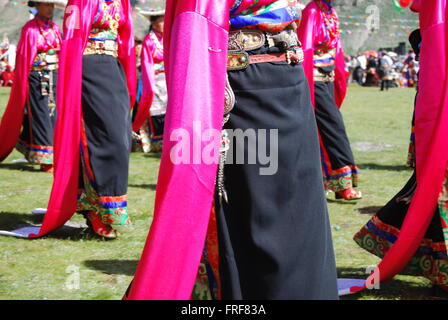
<point x="225" y="141"/>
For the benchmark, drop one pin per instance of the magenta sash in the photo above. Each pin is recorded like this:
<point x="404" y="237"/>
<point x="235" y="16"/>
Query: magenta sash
<point x="195" y="36"/>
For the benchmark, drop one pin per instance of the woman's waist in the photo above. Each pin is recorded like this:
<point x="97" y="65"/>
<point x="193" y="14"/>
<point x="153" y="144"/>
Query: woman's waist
<point x="47" y="60"/>
<point x="247" y="47"/>
<point x="101" y="47"/>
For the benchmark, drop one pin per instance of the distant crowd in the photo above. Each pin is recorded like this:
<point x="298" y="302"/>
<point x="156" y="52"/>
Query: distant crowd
<point x="384" y="69"/>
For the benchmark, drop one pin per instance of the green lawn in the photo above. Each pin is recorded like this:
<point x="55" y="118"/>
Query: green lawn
<point x="43" y="268"/>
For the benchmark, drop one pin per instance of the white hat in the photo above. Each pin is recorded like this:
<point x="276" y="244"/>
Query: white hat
<point x="59" y="3"/>
<point x="152" y="12"/>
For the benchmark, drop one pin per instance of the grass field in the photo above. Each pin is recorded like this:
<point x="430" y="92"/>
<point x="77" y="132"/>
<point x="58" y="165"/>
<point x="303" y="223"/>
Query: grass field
<point x="378" y="125"/>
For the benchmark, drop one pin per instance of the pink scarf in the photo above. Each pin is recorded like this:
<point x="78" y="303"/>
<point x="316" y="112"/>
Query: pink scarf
<point x="77" y="24"/>
<point x="195" y="42"/>
<point x="431" y="131"/>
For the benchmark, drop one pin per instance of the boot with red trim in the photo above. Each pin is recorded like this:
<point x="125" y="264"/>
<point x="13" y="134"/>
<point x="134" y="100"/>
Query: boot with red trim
<point x="349" y="194"/>
<point x="101" y="229"/>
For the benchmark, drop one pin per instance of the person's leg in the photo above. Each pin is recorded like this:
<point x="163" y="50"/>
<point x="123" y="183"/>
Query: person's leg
<point x="106" y="140"/>
<point x="338" y="162"/>
<point x="36" y="139"/>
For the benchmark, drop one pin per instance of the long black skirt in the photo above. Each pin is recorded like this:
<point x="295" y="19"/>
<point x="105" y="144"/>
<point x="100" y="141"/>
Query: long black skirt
<point x="274" y="235"/>
<point x="36" y="138"/>
<point x="338" y="163"/>
<point x="381" y="232"/>
<point x="106" y="139"/>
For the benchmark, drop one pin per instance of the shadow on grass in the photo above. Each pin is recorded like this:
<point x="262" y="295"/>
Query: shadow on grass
<point x="124" y="267"/>
<point x="143" y="186"/>
<point x="19" y="167"/>
<point x="369" y="210"/>
<point x="342" y="201"/>
<point x="394" y="289"/>
<point x="153" y="155"/>
<point x="375" y="166"/>
<point x="9" y="220"/>
<point x="73" y="231"/>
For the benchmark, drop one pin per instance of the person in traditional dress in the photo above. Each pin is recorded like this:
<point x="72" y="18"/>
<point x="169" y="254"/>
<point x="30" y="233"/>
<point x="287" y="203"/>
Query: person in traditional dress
<point x="378" y="235"/>
<point x="96" y="89"/>
<point x="385" y="64"/>
<point x="262" y="232"/>
<point x="410" y="233"/>
<point x="150" y="118"/>
<point x="28" y="122"/>
<point x="105" y="131"/>
<point x="325" y="69"/>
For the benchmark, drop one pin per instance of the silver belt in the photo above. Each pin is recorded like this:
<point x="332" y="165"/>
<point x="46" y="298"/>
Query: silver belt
<point x="248" y="40"/>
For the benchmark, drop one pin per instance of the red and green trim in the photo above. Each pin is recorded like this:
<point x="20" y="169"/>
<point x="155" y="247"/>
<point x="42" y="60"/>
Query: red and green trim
<point x="430" y="260"/>
<point x="112" y="210"/>
<point x="443" y="208"/>
<point x="35" y="154"/>
<point x="340" y="179"/>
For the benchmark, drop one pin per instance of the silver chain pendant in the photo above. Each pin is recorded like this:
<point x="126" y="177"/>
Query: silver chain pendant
<point x="225" y="141"/>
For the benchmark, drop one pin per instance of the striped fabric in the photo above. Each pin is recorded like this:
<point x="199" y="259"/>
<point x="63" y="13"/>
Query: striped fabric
<point x="324" y="59"/>
<point x="325" y="47"/>
<point x="266" y="15"/>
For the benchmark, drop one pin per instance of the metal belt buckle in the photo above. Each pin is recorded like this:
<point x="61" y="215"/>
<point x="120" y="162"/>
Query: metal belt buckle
<point x="246" y="40"/>
<point x="237" y="60"/>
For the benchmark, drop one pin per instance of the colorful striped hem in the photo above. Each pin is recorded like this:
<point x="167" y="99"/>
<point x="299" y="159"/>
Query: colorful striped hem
<point x="341" y="179"/>
<point x="430" y="260"/>
<point x="36" y="154"/>
<point x="112" y="210"/>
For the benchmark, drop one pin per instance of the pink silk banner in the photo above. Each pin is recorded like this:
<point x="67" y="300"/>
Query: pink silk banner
<point x="195" y="36"/>
<point x="308" y="34"/>
<point x="431" y="131"/>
